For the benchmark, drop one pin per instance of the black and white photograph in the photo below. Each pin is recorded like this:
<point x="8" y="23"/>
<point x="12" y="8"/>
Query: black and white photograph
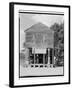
<point x="39" y="44"/>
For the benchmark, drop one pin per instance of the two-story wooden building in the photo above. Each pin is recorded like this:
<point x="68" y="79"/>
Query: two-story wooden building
<point x="39" y="42"/>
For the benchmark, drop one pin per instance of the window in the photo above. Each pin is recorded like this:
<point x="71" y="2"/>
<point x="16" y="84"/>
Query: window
<point x="29" y="37"/>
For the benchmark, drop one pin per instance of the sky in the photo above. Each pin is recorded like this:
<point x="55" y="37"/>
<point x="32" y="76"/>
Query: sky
<point x="27" y="20"/>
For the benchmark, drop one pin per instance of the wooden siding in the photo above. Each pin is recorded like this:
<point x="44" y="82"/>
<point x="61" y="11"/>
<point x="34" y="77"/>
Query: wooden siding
<point x="40" y="39"/>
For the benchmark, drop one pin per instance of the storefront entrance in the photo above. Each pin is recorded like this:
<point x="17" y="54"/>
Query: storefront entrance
<point x="41" y="59"/>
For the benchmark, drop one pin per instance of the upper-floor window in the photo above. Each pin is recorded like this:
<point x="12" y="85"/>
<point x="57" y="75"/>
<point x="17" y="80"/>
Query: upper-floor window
<point x="38" y="39"/>
<point x="29" y="37"/>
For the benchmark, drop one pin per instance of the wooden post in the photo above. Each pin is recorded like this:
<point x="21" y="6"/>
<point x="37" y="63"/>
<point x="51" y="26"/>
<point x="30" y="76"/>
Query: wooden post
<point x="53" y="56"/>
<point x="43" y="59"/>
<point x="48" y="56"/>
<point x="34" y="56"/>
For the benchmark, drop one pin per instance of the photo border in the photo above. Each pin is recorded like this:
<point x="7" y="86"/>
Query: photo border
<point x="11" y="42"/>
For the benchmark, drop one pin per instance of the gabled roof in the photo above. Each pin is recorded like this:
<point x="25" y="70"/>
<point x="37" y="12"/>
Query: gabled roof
<point x="39" y="27"/>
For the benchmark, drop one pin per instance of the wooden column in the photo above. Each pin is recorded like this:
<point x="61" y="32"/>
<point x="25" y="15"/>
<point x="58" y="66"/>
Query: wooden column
<point x="29" y="56"/>
<point x="34" y="55"/>
<point x="53" y="56"/>
<point x="43" y="59"/>
<point x="48" y="56"/>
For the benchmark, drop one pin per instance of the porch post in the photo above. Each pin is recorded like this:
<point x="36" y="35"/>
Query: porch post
<point x="34" y="56"/>
<point x="48" y="56"/>
<point x="43" y="59"/>
<point x="53" y="56"/>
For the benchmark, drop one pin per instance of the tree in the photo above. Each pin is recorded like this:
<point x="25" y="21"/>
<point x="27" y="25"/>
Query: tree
<point x="58" y="40"/>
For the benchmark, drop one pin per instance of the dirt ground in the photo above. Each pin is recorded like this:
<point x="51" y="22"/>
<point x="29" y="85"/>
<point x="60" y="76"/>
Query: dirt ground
<point x="32" y="71"/>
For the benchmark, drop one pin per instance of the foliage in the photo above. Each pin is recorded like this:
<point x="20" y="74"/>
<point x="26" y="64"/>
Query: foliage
<point x="58" y="40"/>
